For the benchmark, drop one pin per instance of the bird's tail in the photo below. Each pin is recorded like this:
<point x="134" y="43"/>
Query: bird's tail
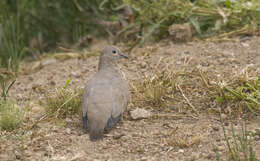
<point x="96" y="130"/>
<point x="96" y="134"/>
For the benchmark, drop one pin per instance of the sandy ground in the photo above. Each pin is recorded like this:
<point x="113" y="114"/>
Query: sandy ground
<point x="176" y="136"/>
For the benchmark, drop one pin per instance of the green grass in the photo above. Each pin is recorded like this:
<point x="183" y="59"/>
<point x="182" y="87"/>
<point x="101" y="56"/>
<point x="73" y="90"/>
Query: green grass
<point x="11" y="116"/>
<point x="64" y="102"/>
<point x="12" y="47"/>
<point x="246" y="93"/>
<point x="240" y="146"/>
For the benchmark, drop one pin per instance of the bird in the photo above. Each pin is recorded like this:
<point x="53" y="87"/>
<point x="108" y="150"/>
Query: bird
<point x="106" y="95"/>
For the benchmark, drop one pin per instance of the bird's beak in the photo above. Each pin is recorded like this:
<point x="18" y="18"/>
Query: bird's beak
<point x="121" y="55"/>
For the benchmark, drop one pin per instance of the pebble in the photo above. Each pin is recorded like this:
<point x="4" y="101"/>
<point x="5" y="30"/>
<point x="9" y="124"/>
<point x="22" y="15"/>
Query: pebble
<point x="75" y="74"/>
<point x="49" y="61"/>
<point x="245" y="44"/>
<point x="68" y="131"/>
<point x="143" y="64"/>
<point x="223" y="116"/>
<point x="181" y="151"/>
<point x="139" y="113"/>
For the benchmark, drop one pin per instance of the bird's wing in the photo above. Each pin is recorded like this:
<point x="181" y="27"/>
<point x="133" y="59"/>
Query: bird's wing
<point x="121" y="99"/>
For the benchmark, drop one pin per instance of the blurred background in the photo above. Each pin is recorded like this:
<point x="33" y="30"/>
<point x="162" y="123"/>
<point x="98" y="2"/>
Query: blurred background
<point x="29" y="28"/>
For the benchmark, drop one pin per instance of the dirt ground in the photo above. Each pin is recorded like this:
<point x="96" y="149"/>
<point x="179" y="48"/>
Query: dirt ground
<point x="177" y="137"/>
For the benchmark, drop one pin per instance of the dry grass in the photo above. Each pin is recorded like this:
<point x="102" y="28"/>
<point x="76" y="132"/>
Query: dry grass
<point x="184" y="141"/>
<point x="197" y="90"/>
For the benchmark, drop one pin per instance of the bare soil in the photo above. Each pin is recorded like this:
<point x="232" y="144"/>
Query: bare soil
<point x="174" y="136"/>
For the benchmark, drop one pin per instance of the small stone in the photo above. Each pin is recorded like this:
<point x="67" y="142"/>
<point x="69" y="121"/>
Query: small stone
<point x="75" y="74"/>
<point x="181" y="151"/>
<point x="68" y="131"/>
<point x="223" y="116"/>
<point x="143" y="64"/>
<point x="49" y="61"/>
<point x="245" y="44"/>
<point x="139" y="113"/>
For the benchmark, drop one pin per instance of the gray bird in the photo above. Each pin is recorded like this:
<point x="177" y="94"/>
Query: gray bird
<point x="105" y="96"/>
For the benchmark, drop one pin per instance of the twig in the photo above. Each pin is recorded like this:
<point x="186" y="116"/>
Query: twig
<point x="57" y="112"/>
<point x="36" y="122"/>
<point x="187" y="100"/>
<point x="204" y="80"/>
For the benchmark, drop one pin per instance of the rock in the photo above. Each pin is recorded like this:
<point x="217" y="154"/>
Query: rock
<point x="139" y="113"/>
<point x="180" y="32"/>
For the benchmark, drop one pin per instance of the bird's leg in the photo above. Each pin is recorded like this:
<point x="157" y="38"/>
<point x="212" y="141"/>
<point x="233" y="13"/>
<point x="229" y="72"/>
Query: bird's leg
<point x="85" y="122"/>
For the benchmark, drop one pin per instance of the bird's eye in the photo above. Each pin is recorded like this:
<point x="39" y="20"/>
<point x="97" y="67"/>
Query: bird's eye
<point x="113" y="51"/>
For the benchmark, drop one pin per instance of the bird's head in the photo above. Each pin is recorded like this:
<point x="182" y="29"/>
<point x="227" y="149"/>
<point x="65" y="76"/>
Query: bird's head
<point x="110" y="56"/>
<point x="112" y="52"/>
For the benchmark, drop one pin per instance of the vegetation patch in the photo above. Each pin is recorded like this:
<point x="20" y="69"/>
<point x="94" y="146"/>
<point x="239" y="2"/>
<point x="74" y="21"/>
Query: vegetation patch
<point x="64" y="102"/>
<point x="196" y="90"/>
<point x="244" y="94"/>
<point x="11" y="116"/>
<point x="240" y="146"/>
<point x="208" y="18"/>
